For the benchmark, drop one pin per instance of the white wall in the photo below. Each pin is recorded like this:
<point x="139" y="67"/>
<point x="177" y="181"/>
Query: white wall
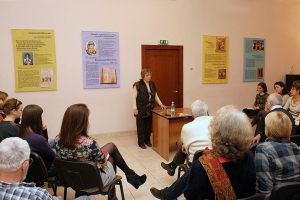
<point x="182" y="22"/>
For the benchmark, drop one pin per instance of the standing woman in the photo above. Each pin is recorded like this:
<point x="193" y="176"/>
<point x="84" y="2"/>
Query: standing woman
<point x="12" y="108"/>
<point x="74" y="143"/>
<point x="260" y="100"/>
<point x="31" y="130"/>
<point x="143" y="100"/>
<point x="293" y="103"/>
<point x="281" y="89"/>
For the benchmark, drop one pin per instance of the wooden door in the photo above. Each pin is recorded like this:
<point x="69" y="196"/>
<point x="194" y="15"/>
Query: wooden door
<point x="166" y="64"/>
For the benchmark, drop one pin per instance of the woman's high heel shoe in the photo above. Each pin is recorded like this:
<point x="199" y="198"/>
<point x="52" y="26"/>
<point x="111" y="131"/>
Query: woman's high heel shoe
<point x="135" y="180"/>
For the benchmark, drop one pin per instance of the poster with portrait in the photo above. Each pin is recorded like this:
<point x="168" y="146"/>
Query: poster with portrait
<point x="34" y="60"/>
<point x="254" y="59"/>
<point x="215" y="59"/>
<point x="100" y="59"/>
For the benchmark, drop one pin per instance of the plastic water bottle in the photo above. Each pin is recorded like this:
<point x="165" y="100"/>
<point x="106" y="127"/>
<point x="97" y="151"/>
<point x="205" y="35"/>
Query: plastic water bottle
<point x="173" y="109"/>
<point x="292" y="70"/>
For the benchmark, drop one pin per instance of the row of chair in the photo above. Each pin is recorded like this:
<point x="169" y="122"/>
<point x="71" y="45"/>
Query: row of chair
<point x="83" y="177"/>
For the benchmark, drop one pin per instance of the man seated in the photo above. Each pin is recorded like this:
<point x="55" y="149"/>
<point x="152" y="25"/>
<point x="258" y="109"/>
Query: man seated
<point x="274" y="103"/>
<point x="194" y="136"/>
<point x="277" y="160"/>
<point x="14" y="164"/>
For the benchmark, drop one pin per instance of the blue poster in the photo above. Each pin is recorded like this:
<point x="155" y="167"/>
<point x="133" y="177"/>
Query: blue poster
<point x="254" y="59"/>
<point x="100" y="59"/>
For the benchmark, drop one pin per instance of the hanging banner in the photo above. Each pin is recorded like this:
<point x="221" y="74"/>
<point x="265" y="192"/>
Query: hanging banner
<point x="254" y="59"/>
<point x="34" y="60"/>
<point x="100" y="59"/>
<point x="215" y="59"/>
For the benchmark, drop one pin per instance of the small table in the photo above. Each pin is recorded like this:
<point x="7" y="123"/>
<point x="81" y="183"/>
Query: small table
<point x="167" y="130"/>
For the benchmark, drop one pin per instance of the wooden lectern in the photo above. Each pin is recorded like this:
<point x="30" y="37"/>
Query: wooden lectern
<point x="167" y="130"/>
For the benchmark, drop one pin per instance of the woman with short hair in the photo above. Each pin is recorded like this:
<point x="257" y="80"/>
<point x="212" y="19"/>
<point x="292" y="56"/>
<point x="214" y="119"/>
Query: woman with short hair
<point x="143" y="100"/>
<point x="74" y="143"/>
<point x="231" y="136"/>
<point x="293" y="103"/>
<point x="12" y="108"/>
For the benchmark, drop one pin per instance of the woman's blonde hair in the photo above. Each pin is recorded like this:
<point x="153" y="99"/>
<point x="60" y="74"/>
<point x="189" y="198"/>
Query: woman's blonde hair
<point x="278" y="125"/>
<point x="230" y="133"/>
<point x="145" y="71"/>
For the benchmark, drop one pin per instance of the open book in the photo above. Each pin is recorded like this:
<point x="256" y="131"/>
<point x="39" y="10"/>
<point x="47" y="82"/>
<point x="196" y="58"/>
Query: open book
<point x="108" y="75"/>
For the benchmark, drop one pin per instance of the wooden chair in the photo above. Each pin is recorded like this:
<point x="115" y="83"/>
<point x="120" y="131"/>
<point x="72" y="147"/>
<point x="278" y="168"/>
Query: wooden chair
<point x="286" y="191"/>
<point x="38" y="173"/>
<point x="84" y="178"/>
<point x="184" y="167"/>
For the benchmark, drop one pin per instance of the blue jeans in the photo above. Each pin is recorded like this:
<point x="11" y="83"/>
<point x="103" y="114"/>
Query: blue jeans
<point x="83" y="198"/>
<point x="176" y="189"/>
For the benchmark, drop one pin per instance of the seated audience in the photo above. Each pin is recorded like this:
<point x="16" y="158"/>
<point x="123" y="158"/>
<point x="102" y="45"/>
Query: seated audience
<point x="281" y="89"/>
<point x="3" y="97"/>
<point x="277" y="160"/>
<point x="293" y="103"/>
<point x="260" y="100"/>
<point x="274" y="103"/>
<point x="31" y="129"/>
<point x="12" y="108"/>
<point x="14" y="163"/>
<point x="221" y="172"/>
<point x="74" y="143"/>
<point x="194" y="137"/>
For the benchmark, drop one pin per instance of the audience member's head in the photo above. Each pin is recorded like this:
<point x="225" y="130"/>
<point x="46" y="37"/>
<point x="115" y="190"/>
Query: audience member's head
<point x="263" y="86"/>
<point x="280" y="88"/>
<point x="15" y="156"/>
<point x="144" y="72"/>
<point x="12" y="107"/>
<point x="31" y="121"/>
<point x="273" y="100"/>
<point x="278" y="125"/>
<point x="199" y="108"/>
<point x="230" y="133"/>
<point x="3" y="97"/>
<point x="295" y="88"/>
<point x="296" y="82"/>
<point x="74" y="125"/>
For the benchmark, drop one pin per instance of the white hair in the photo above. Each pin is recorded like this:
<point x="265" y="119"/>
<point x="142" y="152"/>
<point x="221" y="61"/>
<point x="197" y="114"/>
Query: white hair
<point x="275" y="98"/>
<point x="14" y="151"/>
<point x="199" y="108"/>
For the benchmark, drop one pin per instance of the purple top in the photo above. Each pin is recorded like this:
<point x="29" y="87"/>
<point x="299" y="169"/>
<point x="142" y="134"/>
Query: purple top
<point x="39" y="145"/>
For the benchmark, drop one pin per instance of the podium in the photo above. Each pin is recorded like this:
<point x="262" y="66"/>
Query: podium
<point x="167" y="130"/>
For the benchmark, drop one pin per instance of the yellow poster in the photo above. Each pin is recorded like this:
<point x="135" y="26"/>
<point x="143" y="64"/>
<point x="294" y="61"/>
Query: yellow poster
<point x="34" y="59"/>
<point x="215" y="59"/>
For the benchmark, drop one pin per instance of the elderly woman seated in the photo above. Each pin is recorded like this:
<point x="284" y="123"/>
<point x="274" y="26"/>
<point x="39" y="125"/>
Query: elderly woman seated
<point x="227" y="170"/>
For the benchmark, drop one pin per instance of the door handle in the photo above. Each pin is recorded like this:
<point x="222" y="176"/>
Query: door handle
<point x="175" y="91"/>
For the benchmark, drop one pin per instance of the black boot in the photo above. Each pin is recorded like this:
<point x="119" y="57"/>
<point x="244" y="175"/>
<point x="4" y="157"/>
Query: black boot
<point x="135" y="180"/>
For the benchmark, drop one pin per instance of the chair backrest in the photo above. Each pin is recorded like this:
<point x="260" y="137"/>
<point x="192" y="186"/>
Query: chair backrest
<point x="295" y="139"/>
<point x="286" y="191"/>
<point x="37" y="169"/>
<point x="197" y="155"/>
<point x="257" y="196"/>
<point x="80" y="176"/>
<point x="252" y="148"/>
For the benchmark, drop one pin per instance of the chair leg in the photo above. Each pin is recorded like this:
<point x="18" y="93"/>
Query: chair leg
<point x="65" y="193"/>
<point x="121" y="188"/>
<point x="54" y="188"/>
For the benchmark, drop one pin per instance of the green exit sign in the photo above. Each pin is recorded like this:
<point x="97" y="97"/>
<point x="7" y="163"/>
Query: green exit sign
<point x="163" y="41"/>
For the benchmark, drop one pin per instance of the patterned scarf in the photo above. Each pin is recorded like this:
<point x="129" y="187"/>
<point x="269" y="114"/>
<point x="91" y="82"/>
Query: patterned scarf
<point x="217" y="175"/>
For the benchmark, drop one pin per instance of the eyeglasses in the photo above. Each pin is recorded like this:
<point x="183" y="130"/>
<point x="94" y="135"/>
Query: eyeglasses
<point x="17" y="104"/>
<point x="30" y="161"/>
